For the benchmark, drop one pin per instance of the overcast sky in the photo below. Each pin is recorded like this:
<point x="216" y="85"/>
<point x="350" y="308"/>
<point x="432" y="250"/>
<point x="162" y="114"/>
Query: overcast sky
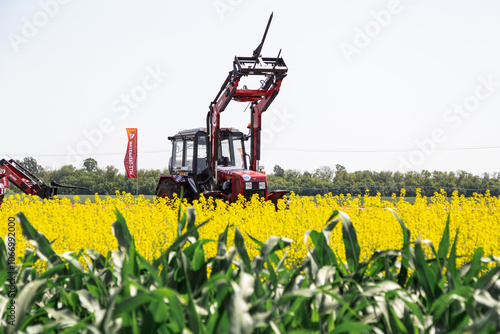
<point x="372" y="85"/>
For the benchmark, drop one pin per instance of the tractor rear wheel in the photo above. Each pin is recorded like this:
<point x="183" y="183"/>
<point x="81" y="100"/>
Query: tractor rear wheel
<point x="167" y="188"/>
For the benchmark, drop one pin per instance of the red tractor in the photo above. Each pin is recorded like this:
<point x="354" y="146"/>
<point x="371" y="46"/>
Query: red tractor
<point x="213" y="161"/>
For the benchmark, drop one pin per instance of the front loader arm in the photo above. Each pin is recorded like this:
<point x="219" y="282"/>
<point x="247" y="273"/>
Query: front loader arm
<point x="273" y="70"/>
<point x="20" y="177"/>
<point x="27" y="182"/>
<point x="222" y="99"/>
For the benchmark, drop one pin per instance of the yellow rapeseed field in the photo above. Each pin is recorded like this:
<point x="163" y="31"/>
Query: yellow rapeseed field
<point x="87" y="225"/>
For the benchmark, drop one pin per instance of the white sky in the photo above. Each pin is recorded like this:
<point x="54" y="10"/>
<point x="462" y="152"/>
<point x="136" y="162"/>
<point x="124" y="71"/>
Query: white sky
<point x="377" y="85"/>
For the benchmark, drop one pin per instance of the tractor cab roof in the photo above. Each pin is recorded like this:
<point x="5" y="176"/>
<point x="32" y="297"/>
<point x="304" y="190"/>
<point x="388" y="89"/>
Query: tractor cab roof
<point x="193" y="132"/>
<point x="187" y="133"/>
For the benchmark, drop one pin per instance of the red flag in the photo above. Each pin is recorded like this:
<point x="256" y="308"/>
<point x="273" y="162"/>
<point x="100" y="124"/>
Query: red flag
<point x="131" y="156"/>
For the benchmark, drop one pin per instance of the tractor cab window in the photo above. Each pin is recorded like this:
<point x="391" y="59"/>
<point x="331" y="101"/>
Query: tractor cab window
<point x="202" y="162"/>
<point x="182" y="158"/>
<point x="202" y="147"/>
<point x="225" y="152"/>
<point x="239" y="159"/>
<point x="188" y="163"/>
<point x="178" y="154"/>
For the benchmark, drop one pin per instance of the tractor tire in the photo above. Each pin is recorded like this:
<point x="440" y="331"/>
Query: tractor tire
<point x="168" y="188"/>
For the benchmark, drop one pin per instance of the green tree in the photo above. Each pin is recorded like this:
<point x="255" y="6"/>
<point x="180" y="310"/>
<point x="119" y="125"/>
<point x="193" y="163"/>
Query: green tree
<point x="32" y="165"/>
<point x="293" y="176"/>
<point x="90" y="165"/>
<point x="325" y="173"/>
<point x="278" y="171"/>
<point x="111" y="174"/>
<point x="340" y="168"/>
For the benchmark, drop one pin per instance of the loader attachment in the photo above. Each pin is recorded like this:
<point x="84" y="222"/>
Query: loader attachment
<point x="27" y="182"/>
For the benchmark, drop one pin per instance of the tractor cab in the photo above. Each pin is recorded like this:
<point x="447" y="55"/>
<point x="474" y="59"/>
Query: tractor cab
<point x="189" y="167"/>
<point x="189" y="151"/>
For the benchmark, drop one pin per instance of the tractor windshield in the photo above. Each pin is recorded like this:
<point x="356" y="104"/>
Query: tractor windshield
<point x="232" y="151"/>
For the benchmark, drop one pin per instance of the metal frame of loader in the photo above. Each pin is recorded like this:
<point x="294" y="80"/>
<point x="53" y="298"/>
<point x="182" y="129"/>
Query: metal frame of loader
<point x="27" y="182"/>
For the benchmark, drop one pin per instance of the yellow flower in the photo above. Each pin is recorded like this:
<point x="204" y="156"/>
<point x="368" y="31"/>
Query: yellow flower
<point x="76" y="225"/>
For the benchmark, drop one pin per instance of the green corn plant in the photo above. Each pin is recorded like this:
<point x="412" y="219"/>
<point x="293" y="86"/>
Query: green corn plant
<point x="394" y="291"/>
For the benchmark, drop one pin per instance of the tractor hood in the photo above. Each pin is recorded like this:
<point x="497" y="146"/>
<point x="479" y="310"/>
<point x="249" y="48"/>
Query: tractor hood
<point x="229" y="172"/>
<point x="243" y="182"/>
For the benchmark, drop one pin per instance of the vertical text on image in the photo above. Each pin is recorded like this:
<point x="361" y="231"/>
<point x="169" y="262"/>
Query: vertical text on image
<point x="10" y="243"/>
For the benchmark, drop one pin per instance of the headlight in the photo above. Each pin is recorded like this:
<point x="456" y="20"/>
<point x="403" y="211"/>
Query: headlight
<point x="248" y="185"/>
<point x="262" y="185"/>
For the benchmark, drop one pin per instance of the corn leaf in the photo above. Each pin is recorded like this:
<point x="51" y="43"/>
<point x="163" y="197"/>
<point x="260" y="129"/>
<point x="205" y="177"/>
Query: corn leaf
<point x="351" y="244"/>
<point x="24" y="301"/>
<point x="403" y="272"/>
<point x="452" y="272"/>
<point x="424" y="273"/>
<point x="239" y="243"/>
<point x="175" y="306"/>
<point x="41" y="244"/>
<point x="474" y="267"/>
<point x="121" y="232"/>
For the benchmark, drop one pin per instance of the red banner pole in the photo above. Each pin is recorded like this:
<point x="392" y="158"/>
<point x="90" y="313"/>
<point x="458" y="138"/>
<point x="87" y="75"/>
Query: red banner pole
<point x="130" y="160"/>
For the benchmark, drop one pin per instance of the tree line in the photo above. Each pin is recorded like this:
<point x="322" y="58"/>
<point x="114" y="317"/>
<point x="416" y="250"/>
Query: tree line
<point x="338" y="180"/>
<point x="326" y="179"/>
